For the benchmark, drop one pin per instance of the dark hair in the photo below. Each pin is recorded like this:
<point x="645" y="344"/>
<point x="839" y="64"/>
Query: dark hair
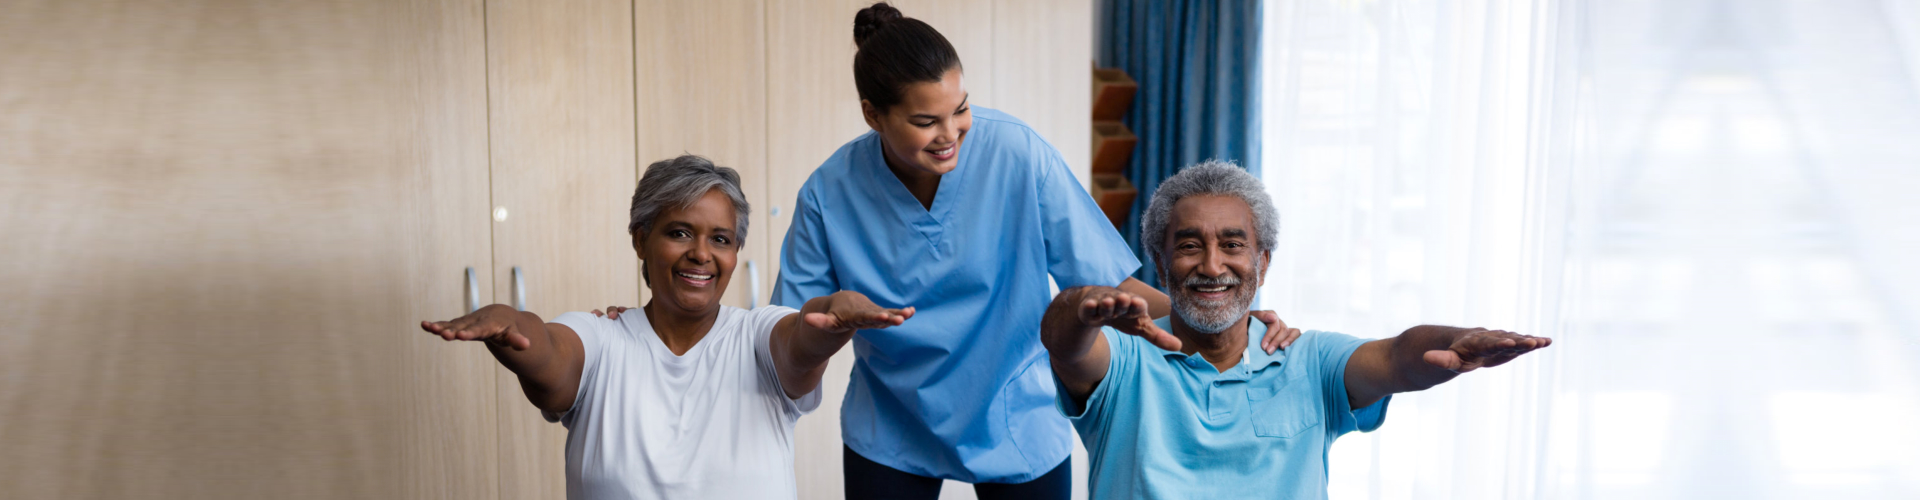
<point x="678" y="182"/>
<point x="896" y="51"/>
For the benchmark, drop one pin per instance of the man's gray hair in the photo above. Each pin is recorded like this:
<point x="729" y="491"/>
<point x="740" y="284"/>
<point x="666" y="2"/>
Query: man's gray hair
<point x="677" y="183"/>
<point x="1211" y="177"/>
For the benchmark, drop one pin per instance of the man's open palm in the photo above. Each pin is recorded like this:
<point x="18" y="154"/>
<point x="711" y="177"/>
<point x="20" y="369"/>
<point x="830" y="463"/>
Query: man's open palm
<point x="1127" y="313"/>
<point x="1484" y="348"/>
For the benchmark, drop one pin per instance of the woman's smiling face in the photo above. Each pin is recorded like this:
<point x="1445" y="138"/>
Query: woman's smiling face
<point x="689" y="253"/>
<point x="922" y="133"/>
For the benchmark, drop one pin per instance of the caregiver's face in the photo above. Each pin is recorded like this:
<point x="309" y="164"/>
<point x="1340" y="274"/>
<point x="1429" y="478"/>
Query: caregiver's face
<point x="688" y="254"/>
<point x="1213" y="264"/>
<point x="922" y="133"/>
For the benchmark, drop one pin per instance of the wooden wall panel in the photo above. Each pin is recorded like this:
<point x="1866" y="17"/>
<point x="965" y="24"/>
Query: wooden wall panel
<point x="561" y="87"/>
<point x="224" y="220"/>
<point x="707" y="95"/>
<point x="812" y="108"/>
<point x="1043" y="56"/>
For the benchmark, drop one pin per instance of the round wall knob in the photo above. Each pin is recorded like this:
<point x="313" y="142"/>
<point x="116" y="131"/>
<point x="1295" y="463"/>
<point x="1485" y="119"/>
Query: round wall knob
<point x="499" y="214"/>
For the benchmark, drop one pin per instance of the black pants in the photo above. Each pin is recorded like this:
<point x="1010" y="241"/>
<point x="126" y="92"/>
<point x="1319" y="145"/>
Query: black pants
<point x="868" y="480"/>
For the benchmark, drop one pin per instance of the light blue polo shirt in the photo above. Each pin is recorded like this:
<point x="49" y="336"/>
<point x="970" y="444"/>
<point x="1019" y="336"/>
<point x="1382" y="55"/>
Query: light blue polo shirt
<point x="963" y="390"/>
<point x="1167" y="425"/>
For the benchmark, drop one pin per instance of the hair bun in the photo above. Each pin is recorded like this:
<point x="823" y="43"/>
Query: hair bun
<point x="870" y="19"/>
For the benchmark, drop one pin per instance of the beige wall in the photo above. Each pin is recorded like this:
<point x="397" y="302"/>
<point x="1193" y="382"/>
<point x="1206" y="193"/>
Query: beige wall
<point x="220" y="220"/>
<point x="223" y="219"/>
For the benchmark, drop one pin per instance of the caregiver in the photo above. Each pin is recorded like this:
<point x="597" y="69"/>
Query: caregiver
<point x="963" y="211"/>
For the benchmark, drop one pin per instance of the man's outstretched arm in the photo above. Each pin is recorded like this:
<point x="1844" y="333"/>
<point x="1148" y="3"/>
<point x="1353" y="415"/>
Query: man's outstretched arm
<point x="1071" y="333"/>
<point x="1279" y="336"/>
<point x="1425" y="356"/>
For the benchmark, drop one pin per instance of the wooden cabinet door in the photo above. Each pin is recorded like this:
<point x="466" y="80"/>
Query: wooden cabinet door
<point x="1043" y="56"/>
<point x="707" y="95"/>
<point x="560" y="93"/>
<point x="224" y="221"/>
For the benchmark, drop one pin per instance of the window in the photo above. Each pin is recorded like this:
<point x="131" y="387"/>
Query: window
<point x="1700" y="200"/>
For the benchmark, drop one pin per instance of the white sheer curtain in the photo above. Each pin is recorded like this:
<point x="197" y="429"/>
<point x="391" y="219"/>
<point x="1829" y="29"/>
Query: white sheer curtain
<point x="1706" y="202"/>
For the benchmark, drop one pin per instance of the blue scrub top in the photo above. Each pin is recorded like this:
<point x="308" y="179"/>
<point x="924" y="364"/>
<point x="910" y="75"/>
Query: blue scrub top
<point x="1168" y="425"/>
<point x="963" y="390"/>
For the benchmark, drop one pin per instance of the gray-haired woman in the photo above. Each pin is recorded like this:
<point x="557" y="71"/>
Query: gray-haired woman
<point x="692" y="399"/>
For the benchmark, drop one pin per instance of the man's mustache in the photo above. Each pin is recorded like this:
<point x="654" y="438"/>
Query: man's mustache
<point x="1197" y="280"/>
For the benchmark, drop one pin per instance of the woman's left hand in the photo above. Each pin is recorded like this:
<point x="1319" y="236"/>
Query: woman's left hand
<point x="1278" y="335"/>
<point x="848" y="311"/>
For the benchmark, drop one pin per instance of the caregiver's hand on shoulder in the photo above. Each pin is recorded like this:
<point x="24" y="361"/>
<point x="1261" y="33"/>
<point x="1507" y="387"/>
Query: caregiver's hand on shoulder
<point x="613" y="312"/>
<point x="1278" y="335"/>
<point x="848" y="311"/>
<point x="1126" y="312"/>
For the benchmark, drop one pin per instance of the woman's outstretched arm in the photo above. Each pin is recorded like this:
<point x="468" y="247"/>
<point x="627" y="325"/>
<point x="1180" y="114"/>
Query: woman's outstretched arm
<point x="803" y="342"/>
<point x="546" y="356"/>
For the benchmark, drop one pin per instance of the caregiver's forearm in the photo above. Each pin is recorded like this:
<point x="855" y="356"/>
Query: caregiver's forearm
<point x="1158" y="305"/>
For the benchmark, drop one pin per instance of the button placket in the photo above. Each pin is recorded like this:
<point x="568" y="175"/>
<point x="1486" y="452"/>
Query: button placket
<point x="1221" y="397"/>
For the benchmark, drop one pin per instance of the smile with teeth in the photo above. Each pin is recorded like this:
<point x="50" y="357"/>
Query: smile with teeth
<point x="694" y="276"/>
<point x="1210" y="289"/>
<point x="942" y="152"/>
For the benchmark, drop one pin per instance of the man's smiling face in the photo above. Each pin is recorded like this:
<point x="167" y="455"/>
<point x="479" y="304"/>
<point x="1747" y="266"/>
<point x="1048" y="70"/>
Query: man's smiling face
<point x="1213" y="262"/>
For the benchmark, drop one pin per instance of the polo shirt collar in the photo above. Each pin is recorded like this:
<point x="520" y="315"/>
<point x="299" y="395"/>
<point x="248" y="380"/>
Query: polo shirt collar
<point x="1254" y="359"/>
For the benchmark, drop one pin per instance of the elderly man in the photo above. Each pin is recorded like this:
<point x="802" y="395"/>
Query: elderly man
<point x="1185" y="407"/>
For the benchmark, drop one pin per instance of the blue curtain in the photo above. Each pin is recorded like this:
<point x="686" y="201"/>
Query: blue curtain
<point x="1198" y="66"/>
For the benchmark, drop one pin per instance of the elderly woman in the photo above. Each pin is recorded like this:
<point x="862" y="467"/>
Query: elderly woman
<point x="692" y="399"/>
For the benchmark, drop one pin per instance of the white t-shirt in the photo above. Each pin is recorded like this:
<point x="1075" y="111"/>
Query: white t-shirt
<point x="713" y="423"/>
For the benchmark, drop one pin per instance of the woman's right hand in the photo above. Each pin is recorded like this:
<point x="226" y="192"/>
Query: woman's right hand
<point x="493" y="324"/>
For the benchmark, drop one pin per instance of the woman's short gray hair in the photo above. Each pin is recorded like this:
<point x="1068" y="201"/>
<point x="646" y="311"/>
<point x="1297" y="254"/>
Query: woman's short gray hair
<point x="1211" y="177"/>
<point x="677" y="183"/>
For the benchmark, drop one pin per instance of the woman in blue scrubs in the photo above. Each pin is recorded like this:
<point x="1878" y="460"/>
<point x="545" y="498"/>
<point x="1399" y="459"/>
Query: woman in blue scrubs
<point x="962" y="212"/>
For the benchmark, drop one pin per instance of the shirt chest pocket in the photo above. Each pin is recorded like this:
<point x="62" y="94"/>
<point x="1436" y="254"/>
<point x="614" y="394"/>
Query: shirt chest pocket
<point x="1284" y="407"/>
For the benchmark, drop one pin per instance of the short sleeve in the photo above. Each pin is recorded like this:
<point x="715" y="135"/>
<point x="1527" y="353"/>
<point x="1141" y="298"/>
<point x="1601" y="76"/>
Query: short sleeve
<point x="1082" y="246"/>
<point x="592" y="331"/>
<point x="1330" y="352"/>
<point x="1092" y="415"/>
<point x="806" y="265"/>
<point x="761" y="322"/>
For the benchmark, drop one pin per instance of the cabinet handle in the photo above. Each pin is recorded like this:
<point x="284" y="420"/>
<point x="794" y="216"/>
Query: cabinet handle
<point x="753" y="285"/>
<point x="519" y="290"/>
<point x="473" y="291"/>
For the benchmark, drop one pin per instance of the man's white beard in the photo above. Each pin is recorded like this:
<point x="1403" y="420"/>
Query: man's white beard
<point x="1212" y="316"/>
